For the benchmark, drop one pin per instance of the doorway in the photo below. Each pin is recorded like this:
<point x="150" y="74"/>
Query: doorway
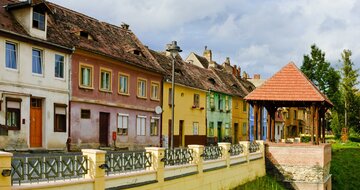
<point x="104" y="129"/>
<point x="236" y="126"/>
<point x="219" y="131"/>
<point x="35" y="122"/>
<point x="181" y="133"/>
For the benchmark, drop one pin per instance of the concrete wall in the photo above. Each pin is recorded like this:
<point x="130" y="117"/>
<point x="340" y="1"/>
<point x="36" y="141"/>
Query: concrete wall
<point x="23" y="84"/>
<point x="184" y="101"/>
<point x="304" y="166"/>
<point x="233" y="171"/>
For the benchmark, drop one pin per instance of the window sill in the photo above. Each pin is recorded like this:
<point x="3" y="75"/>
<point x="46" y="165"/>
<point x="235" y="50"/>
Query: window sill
<point x="154" y="99"/>
<point x="59" y="131"/>
<point x="142" y="97"/>
<point x="106" y="91"/>
<point x="11" y="69"/>
<point x="86" y="87"/>
<point x="60" y="79"/>
<point x="37" y="75"/>
<point x="124" y="94"/>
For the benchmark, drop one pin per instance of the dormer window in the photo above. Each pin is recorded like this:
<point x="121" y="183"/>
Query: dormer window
<point x="39" y="19"/>
<point x="212" y="80"/>
<point x="84" y="34"/>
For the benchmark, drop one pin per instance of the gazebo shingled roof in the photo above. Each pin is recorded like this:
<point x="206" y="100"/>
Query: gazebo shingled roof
<point x="288" y="87"/>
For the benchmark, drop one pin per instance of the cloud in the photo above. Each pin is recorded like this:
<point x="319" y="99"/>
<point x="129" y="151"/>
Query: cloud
<point x="260" y="36"/>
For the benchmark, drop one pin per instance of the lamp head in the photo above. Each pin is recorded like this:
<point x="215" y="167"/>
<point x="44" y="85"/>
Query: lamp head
<point x="173" y="48"/>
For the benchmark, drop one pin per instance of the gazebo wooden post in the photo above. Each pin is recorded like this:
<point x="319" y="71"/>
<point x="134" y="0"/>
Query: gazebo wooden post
<point x="255" y="121"/>
<point x="268" y="127"/>
<point x="312" y="123"/>
<point x="317" y="124"/>
<point x="324" y="126"/>
<point x="273" y="125"/>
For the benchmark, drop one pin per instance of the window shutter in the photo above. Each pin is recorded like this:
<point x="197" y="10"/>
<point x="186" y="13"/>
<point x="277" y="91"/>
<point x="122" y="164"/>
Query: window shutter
<point x="125" y="122"/>
<point x="120" y="121"/>
<point x="138" y="124"/>
<point x="60" y="110"/>
<point x="143" y="126"/>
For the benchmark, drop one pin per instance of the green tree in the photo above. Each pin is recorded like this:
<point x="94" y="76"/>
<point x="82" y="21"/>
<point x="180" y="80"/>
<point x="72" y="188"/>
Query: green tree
<point x="349" y="91"/>
<point x="325" y="77"/>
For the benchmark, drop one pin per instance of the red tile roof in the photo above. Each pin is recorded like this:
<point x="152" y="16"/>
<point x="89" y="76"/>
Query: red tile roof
<point x="289" y="84"/>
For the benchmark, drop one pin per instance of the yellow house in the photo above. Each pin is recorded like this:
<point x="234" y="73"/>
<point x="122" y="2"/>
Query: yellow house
<point x="190" y="115"/>
<point x="189" y="100"/>
<point x="239" y="119"/>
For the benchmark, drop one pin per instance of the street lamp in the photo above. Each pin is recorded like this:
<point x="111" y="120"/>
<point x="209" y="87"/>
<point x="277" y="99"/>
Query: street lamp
<point x="174" y="49"/>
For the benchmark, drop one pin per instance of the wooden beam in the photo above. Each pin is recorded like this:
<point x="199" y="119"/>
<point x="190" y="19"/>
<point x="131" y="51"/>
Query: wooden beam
<point x="312" y="110"/>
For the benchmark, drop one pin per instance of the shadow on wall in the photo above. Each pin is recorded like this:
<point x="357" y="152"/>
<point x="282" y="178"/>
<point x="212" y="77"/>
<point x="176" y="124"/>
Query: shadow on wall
<point x="276" y="172"/>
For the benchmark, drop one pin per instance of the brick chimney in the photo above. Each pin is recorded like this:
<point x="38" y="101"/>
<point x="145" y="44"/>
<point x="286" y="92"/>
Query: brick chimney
<point x="256" y="76"/>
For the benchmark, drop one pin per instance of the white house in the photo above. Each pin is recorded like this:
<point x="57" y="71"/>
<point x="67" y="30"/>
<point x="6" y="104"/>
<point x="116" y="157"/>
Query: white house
<point x="34" y="79"/>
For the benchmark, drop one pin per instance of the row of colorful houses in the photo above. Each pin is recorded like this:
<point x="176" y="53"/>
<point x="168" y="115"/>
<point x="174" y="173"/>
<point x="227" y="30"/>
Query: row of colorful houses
<point x="69" y="79"/>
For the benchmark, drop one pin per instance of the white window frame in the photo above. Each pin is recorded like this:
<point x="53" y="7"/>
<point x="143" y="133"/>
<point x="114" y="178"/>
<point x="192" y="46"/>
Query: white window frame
<point x="140" y="129"/>
<point x="119" y="128"/>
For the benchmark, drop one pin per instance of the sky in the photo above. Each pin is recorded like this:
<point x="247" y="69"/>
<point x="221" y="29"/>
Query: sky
<point x="260" y="36"/>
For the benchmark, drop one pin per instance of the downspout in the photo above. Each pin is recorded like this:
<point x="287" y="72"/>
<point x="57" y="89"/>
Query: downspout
<point x="68" y="141"/>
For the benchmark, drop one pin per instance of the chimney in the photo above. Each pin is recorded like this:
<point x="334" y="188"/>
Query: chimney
<point x="256" y="76"/>
<point x="125" y="26"/>
<point x="208" y="55"/>
<point x="238" y="72"/>
<point x="245" y="75"/>
<point x="234" y="70"/>
<point x="227" y="61"/>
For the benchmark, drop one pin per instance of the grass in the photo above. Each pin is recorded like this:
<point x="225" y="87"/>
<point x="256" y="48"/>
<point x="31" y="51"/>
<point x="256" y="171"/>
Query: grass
<point x="345" y="164"/>
<point x="264" y="183"/>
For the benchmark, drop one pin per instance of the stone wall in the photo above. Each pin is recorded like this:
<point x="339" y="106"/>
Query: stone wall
<point x="301" y="166"/>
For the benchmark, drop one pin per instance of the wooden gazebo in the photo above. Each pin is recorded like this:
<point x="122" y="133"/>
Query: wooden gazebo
<point x="289" y="88"/>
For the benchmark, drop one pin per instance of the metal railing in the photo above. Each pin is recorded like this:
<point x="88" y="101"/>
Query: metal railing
<point x="254" y="147"/>
<point x="236" y="149"/>
<point x="212" y="152"/>
<point x="120" y="162"/>
<point x="178" y="156"/>
<point x="37" y="168"/>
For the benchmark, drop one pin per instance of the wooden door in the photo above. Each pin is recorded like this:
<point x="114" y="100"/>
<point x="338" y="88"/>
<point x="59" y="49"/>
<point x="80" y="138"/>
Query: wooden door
<point x="219" y="132"/>
<point x="236" y="126"/>
<point x="169" y="133"/>
<point x="104" y="129"/>
<point x="181" y="132"/>
<point x="35" y="122"/>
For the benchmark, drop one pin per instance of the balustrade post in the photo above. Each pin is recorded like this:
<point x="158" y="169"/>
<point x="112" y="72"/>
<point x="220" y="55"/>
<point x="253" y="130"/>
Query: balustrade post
<point x="198" y="159"/>
<point x="225" y="152"/>
<point x="96" y="161"/>
<point x="5" y="167"/>
<point x="246" y="145"/>
<point x="157" y="161"/>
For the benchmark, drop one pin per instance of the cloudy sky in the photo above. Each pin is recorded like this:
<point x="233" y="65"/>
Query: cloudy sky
<point x="260" y="36"/>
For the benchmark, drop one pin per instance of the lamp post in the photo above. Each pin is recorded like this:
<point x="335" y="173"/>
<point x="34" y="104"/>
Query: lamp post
<point x="174" y="49"/>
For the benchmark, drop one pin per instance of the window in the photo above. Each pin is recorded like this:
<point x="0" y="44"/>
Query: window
<point x="39" y="20"/>
<point x="154" y="126"/>
<point x="105" y="79"/>
<point x="123" y="123"/>
<point x="195" y="128"/>
<point x="59" y="118"/>
<point x="196" y="100"/>
<point x="141" y="88"/>
<point x="86" y="76"/>
<point x="170" y="96"/>
<point x="244" y="106"/>
<point x="11" y="56"/>
<point x="59" y="66"/>
<point x="220" y="103"/>
<point x="244" y="129"/>
<point x="227" y="129"/>
<point x="155" y="90"/>
<point x="37" y="61"/>
<point x="212" y="101"/>
<point x="236" y="105"/>
<point x="123" y="84"/>
<point x="211" y="129"/>
<point x="140" y="125"/>
<point x="85" y="114"/>
<point x="227" y="103"/>
<point x="13" y="114"/>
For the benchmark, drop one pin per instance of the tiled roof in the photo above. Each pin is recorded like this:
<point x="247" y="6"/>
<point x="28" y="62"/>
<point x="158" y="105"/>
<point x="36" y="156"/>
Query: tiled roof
<point x="204" y="62"/>
<point x="289" y="84"/>
<point x="109" y="40"/>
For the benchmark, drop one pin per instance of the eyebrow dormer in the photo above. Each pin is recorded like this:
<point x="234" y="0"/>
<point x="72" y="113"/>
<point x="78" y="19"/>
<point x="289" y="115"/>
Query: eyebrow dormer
<point x="32" y="15"/>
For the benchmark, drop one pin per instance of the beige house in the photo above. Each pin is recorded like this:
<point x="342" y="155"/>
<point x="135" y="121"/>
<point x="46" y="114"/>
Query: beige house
<point x="34" y="80"/>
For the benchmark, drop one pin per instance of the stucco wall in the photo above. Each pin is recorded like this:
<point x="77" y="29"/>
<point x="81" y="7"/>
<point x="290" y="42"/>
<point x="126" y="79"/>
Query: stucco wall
<point x="218" y="116"/>
<point x="239" y="116"/>
<point x="21" y="83"/>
